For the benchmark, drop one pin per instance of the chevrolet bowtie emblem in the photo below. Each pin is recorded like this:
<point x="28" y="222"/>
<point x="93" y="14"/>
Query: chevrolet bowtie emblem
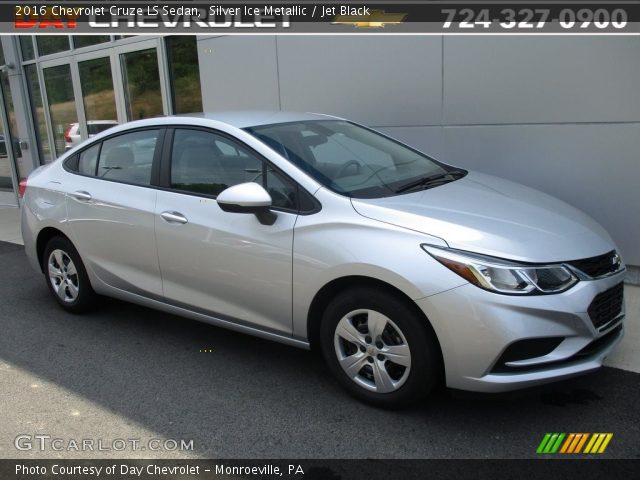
<point x="376" y="19"/>
<point x="615" y="260"/>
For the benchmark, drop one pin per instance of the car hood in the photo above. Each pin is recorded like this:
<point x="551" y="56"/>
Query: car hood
<point x="493" y="216"/>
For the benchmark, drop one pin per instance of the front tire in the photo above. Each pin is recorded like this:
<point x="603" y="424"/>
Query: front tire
<point x="379" y="348"/>
<point x="67" y="277"/>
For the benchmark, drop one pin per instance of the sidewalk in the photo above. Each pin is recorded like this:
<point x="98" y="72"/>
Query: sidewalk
<point x="627" y="356"/>
<point x="10" y="225"/>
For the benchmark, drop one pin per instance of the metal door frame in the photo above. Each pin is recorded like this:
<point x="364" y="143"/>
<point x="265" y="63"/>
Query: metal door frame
<point x="158" y="45"/>
<point x="8" y="139"/>
<point x="113" y="53"/>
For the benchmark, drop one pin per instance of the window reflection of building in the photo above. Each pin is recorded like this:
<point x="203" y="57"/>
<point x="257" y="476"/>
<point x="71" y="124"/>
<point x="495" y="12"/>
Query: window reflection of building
<point x="76" y="87"/>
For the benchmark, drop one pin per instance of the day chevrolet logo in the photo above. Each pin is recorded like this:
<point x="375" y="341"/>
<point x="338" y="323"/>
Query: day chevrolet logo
<point x="574" y="443"/>
<point x="376" y="19"/>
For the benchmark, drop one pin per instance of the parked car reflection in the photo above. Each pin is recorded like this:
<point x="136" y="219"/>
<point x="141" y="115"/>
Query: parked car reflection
<point x="72" y="134"/>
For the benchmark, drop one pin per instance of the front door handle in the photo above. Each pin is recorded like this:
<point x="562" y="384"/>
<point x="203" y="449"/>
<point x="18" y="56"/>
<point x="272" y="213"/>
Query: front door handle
<point x="81" y="195"/>
<point x="174" y="217"/>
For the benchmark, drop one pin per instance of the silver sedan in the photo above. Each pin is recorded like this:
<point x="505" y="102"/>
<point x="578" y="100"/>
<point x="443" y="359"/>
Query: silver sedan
<point x="315" y="231"/>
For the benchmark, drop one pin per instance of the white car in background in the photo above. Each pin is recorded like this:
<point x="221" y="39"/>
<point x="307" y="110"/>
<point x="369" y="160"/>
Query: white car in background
<point x="72" y="134"/>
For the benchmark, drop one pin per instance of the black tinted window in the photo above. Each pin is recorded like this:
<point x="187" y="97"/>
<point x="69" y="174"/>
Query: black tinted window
<point x="283" y="193"/>
<point x="204" y="162"/>
<point x="128" y="157"/>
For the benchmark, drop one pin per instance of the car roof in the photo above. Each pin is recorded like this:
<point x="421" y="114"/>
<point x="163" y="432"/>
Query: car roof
<point x="252" y="118"/>
<point x="237" y="118"/>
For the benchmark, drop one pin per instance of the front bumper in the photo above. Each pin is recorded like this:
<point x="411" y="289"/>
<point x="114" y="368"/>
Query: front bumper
<point x="475" y="328"/>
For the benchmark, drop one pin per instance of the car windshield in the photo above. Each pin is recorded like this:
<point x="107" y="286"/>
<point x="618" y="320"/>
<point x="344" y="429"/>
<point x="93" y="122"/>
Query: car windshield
<point x="353" y="160"/>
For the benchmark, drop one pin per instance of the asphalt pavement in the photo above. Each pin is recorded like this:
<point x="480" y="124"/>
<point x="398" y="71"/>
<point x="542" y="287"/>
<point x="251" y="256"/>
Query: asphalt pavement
<point x="127" y="372"/>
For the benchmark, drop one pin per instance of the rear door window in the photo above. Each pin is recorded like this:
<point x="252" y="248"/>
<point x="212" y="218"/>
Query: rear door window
<point x="129" y="157"/>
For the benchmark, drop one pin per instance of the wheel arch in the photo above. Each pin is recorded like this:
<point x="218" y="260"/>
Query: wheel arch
<point x="332" y="288"/>
<point x="44" y="236"/>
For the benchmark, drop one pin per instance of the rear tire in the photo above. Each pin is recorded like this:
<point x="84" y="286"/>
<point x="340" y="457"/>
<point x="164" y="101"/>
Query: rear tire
<point x="379" y="348"/>
<point x="66" y="276"/>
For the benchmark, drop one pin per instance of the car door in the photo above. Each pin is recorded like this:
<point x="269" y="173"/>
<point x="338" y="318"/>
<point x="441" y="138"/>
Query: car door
<point x="111" y="211"/>
<point x="228" y="265"/>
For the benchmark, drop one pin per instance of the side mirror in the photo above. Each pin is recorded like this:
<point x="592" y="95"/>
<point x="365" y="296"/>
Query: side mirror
<point x="248" y="198"/>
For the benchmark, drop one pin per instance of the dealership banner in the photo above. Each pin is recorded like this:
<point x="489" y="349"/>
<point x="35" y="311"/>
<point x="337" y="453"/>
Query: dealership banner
<point x="197" y="469"/>
<point x="331" y="17"/>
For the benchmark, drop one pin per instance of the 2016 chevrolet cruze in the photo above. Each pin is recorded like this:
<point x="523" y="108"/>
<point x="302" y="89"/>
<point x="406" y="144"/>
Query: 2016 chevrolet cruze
<point x="313" y="230"/>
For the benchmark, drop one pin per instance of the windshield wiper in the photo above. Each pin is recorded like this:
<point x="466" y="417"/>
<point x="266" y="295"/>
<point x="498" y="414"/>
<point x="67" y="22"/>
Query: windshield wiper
<point x="432" y="179"/>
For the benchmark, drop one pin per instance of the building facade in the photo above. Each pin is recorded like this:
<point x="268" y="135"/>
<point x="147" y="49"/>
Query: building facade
<point x="557" y="113"/>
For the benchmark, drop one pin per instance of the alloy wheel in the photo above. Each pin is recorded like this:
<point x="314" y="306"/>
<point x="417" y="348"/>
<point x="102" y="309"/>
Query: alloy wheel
<point x="372" y="350"/>
<point x="63" y="276"/>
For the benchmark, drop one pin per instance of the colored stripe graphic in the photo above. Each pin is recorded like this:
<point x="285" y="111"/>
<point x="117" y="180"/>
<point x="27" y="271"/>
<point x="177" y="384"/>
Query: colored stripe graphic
<point x="543" y="443"/>
<point x="577" y="443"/>
<point x="550" y="443"/>
<point x="573" y="443"/>
<point x="567" y="443"/>
<point x="598" y="442"/>
<point x="581" y="442"/>
<point x="605" y="443"/>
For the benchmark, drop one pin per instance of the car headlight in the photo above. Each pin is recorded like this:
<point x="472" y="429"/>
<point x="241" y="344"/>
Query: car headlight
<point x="503" y="276"/>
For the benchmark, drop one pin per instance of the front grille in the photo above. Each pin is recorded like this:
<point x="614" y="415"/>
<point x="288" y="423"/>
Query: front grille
<point x="606" y="306"/>
<point x="598" y="266"/>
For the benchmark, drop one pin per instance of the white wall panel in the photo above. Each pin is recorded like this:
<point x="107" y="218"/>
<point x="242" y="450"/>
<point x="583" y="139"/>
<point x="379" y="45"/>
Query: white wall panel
<point x="238" y="73"/>
<point x="389" y="81"/>
<point x="489" y="80"/>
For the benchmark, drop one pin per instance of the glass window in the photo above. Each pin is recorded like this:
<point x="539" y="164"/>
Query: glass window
<point x="351" y="160"/>
<point x="182" y="52"/>
<point x="26" y="47"/>
<point x="97" y="95"/>
<point x="11" y="139"/>
<point x="48" y="44"/>
<point x="128" y="157"/>
<point x="62" y="107"/>
<point x="283" y="193"/>
<point x="80" y="41"/>
<point x="141" y="79"/>
<point x="199" y="164"/>
<point x="88" y="160"/>
<point x="6" y="182"/>
<point x="37" y="110"/>
<point x="204" y="162"/>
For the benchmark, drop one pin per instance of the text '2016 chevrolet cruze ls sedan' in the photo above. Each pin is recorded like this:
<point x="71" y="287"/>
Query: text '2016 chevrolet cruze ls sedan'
<point x="315" y="231"/>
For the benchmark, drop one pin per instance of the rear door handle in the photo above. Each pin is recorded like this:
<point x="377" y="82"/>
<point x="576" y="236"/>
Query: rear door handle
<point x="174" y="217"/>
<point x="81" y="195"/>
